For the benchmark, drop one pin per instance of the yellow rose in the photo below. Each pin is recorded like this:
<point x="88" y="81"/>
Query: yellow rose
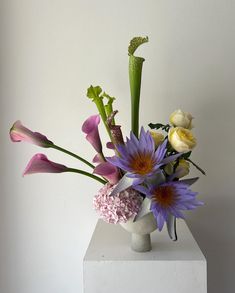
<point x="157" y="137"/>
<point x="181" y="139"/>
<point x="182" y="169"/>
<point x="181" y="119"/>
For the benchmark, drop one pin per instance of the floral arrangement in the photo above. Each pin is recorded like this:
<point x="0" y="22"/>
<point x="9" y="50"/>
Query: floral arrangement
<point x="145" y="172"/>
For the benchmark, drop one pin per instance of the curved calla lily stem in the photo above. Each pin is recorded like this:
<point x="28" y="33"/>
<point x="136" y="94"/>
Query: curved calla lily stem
<point x="86" y="174"/>
<point x="72" y="154"/>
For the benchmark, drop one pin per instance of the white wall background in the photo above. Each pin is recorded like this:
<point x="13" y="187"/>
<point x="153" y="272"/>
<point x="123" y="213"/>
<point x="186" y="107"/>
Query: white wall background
<point x="51" y="51"/>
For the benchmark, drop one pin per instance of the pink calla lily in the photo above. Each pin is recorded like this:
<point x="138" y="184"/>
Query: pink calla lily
<point x="98" y="158"/>
<point x="108" y="171"/>
<point x="90" y="128"/>
<point x="40" y="164"/>
<point x="18" y="133"/>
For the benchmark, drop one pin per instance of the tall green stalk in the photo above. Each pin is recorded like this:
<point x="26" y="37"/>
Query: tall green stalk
<point x="135" y="73"/>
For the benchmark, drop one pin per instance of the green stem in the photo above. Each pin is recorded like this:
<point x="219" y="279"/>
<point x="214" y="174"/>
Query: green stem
<point x="86" y="174"/>
<point x="196" y="166"/>
<point x="72" y="154"/>
<point x="100" y="106"/>
<point x="109" y="111"/>
<point x="135" y="72"/>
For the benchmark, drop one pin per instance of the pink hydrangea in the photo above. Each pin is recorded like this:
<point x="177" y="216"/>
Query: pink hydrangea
<point x="118" y="208"/>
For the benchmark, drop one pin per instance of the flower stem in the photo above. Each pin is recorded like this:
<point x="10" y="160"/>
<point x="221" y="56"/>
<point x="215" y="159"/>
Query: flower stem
<point x="86" y="174"/>
<point x="135" y="72"/>
<point x="196" y="166"/>
<point x="72" y="154"/>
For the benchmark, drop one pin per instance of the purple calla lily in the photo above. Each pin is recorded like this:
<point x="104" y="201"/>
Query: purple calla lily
<point x="90" y="128"/>
<point x="108" y="171"/>
<point x="40" y="164"/>
<point x="18" y="133"/>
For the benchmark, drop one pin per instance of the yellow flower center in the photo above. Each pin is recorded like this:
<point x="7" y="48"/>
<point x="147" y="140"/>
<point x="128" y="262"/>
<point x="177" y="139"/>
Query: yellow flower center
<point x="164" y="195"/>
<point x="142" y="164"/>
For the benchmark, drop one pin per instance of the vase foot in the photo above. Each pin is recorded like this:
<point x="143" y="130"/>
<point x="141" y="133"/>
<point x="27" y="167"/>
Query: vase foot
<point x="141" y="243"/>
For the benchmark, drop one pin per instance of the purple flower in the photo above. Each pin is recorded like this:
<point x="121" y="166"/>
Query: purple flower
<point x="139" y="158"/>
<point x="108" y="171"/>
<point x="170" y="198"/>
<point x="90" y="128"/>
<point x="40" y="164"/>
<point x="18" y="133"/>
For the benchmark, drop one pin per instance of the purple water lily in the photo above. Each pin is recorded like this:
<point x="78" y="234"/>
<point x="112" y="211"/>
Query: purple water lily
<point x="139" y="158"/>
<point x="19" y="133"/>
<point x="170" y="198"/>
<point x="40" y="164"/>
<point x="90" y="128"/>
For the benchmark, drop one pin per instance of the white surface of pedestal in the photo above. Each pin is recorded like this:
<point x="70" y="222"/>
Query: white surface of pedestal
<point x="110" y="266"/>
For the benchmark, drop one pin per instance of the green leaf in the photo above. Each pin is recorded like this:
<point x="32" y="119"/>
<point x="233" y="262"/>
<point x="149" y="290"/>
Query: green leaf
<point x="94" y="92"/>
<point x="186" y="155"/>
<point x="135" y="43"/>
<point x="156" y="125"/>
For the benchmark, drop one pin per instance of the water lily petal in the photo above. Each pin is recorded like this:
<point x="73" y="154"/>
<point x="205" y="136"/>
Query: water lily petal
<point x="123" y="184"/>
<point x="171" y="227"/>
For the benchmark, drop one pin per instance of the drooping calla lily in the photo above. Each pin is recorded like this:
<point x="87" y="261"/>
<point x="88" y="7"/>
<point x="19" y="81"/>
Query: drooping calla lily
<point x="18" y="133"/>
<point x="40" y="164"/>
<point x="90" y="128"/>
<point x="108" y="171"/>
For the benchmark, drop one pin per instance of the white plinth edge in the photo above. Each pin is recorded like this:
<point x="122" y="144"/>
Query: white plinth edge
<point x="110" y="266"/>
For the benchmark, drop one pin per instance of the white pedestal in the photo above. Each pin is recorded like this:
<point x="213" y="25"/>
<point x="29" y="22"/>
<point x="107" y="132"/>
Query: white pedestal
<point x="110" y="266"/>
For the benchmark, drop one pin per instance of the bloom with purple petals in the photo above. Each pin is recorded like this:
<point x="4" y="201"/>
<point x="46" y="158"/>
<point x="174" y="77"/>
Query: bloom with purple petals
<point x="139" y="158"/>
<point x="170" y="198"/>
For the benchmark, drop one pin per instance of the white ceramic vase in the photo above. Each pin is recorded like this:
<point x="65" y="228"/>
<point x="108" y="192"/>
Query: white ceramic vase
<point x="140" y="232"/>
